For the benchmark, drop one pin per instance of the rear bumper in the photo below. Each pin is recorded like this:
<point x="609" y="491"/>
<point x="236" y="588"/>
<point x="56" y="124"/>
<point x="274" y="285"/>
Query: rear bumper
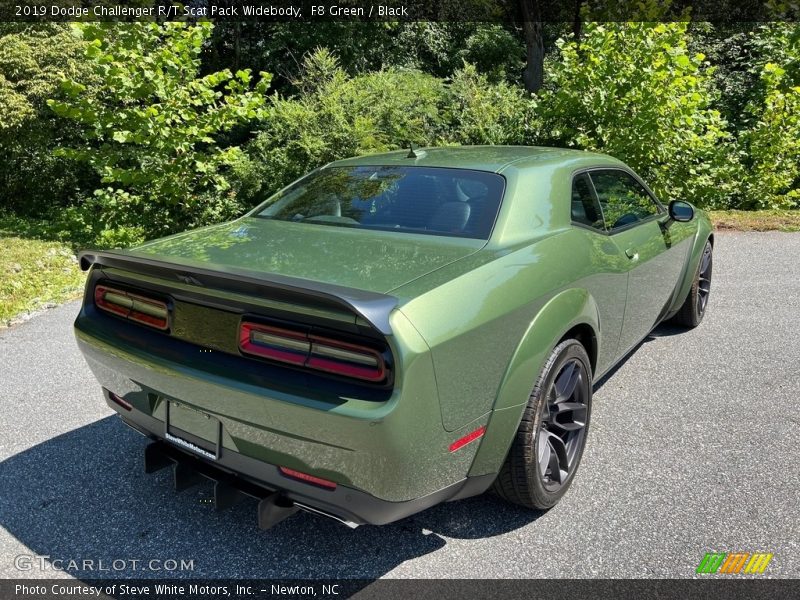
<point x="259" y="479"/>
<point x="389" y="458"/>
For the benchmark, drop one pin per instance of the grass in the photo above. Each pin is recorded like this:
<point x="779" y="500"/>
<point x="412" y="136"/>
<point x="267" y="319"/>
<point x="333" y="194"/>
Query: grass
<point x="756" y="220"/>
<point x="35" y="274"/>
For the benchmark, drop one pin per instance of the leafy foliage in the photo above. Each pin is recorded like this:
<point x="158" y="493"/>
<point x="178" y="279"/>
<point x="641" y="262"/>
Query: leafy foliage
<point x="150" y="130"/>
<point x="33" y="61"/>
<point x="495" y="52"/>
<point x="771" y="147"/>
<point x="633" y="90"/>
<point x="480" y="112"/>
<point x="149" y="118"/>
<point x="340" y="116"/>
<point x="437" y="48"/>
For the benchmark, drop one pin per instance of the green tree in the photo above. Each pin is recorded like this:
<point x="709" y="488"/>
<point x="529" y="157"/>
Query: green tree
<point x="480" y="112"/>
<point x="771" y="147"/>
<point x="336" y="116"/>
<point x="152" y="129"/>
<point x="34" y="58"/>
<point x="769" y="122"/>
<point x="635" y="91"/>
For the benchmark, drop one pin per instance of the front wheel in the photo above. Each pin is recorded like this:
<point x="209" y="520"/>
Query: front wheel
<point x="694" y="308"/>
<point x="549" y="443"/>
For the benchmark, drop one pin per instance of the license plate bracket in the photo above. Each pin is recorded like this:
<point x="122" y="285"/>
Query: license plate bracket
<point x="193" y="430"/>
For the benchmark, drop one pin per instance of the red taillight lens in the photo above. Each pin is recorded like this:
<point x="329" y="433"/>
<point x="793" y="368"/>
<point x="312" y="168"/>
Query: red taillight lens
<point x="311" y="351"/>
<point x="120" y="401"/>
<point x="346" y="359"/>
<point x="306" y="478"/>
<point x="133" y="307"/>
<point x="271" y="342"/>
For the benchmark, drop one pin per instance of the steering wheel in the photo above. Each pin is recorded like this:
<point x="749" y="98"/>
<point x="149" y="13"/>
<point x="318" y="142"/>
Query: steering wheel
<point x="625" y="219"/>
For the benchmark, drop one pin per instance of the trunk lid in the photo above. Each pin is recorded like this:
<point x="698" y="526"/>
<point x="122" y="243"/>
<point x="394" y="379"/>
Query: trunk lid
<point x="375" y="261"/>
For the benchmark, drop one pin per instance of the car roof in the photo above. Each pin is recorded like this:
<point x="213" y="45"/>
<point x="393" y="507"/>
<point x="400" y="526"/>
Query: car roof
<point x="481" y="158"/>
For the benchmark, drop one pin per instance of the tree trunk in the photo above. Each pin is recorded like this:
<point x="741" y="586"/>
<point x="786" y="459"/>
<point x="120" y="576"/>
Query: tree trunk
<point x="577" y="23"/>
<point x="533" y="75"/>
<point x="237" y="45"/>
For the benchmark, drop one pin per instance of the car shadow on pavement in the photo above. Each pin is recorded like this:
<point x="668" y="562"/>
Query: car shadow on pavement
<point x="84" y="496"/>
<point x="663" y="330"/>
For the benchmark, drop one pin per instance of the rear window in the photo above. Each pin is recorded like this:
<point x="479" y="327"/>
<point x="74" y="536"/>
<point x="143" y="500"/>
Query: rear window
<point x="437" y="201"/>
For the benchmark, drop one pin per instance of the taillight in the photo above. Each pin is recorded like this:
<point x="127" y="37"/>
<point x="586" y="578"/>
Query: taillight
<point x="312" y="351"/>
<point x="133" y="307"/>
<point x="278" y="344"/>
<point x="346" y="359"/>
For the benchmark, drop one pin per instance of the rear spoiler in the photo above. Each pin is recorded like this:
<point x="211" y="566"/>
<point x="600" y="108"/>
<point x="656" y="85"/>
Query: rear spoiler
<point x="373" y="307"/>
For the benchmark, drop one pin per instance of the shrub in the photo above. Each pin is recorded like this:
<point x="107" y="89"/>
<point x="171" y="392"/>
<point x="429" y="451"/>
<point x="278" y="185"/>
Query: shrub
<point x="495" y="52"/>
<point x="339" y="116"/>
<point x="480" y="112"/>
<point x="151" y="131"/>
<point x="770" y="145"/>
<point x="634" y="91"/>
<point x="33" y="60"/>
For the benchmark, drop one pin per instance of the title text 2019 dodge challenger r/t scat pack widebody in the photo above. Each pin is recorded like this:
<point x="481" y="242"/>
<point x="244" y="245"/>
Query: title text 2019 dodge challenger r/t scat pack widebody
<point x="393" y="331"/>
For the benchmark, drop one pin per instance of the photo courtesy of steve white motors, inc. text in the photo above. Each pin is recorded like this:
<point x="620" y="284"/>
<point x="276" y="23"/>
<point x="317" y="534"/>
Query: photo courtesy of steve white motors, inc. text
<point x="175" y="589"/>
<point x="242" y="10"/>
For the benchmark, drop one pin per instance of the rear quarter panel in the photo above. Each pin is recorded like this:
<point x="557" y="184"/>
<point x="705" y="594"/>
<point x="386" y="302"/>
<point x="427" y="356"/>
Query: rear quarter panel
<point x="491" y="328"/>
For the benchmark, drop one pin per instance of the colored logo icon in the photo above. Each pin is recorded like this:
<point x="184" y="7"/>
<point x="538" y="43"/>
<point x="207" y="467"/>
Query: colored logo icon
<point x="732" y="563"/>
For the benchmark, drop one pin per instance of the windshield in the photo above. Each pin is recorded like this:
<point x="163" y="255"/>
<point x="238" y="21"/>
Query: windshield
<point x="438" y="201"/>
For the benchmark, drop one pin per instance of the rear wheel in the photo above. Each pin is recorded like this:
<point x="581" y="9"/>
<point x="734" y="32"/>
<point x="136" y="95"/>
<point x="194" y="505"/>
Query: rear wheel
<point x="694" y="308"/>
<point x="549" y="443"/>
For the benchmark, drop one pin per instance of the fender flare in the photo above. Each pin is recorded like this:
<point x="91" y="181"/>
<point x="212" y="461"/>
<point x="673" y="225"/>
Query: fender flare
<point x="560" y="314"/>
<point x="703" y="234"/>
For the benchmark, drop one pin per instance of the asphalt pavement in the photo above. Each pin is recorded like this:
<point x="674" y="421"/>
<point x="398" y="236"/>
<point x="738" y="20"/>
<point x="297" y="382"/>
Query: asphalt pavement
<point x="693" y="448"/>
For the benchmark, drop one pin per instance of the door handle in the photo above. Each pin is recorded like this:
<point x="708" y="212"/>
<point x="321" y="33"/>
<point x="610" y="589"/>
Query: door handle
<point x="632" y="254"/>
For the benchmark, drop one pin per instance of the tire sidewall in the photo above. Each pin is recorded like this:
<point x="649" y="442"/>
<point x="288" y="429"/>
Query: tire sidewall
<point x="698" y="316"/>
<point x="564" y="352"/>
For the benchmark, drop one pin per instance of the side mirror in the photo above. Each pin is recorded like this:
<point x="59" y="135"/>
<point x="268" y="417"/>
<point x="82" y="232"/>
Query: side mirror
<point x="679" y="211"/>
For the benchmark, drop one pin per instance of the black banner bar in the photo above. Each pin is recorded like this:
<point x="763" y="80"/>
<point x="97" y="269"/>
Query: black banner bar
<point x="708" y="588"/>
<point x="397" y="10"/>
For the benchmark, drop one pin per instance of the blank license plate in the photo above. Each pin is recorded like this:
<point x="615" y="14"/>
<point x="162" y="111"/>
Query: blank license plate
<point x="193" y="430"/>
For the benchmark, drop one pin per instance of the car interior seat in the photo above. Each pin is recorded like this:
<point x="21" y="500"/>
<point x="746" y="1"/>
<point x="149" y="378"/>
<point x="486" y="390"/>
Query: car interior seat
<point x="450" y="217"/>
<point x="584" y="209"/>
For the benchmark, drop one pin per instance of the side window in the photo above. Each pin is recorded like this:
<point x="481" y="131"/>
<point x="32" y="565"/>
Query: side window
<point x="622" y="198"/>
<point x="584" y="206"/>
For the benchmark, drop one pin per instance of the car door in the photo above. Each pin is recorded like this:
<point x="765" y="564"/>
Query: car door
<point x="607" y="277"/>
<point x="633" y="219"/>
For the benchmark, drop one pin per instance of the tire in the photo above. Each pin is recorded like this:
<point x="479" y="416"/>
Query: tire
<point x="523" y="478"/>
<point x="694" y="307"/>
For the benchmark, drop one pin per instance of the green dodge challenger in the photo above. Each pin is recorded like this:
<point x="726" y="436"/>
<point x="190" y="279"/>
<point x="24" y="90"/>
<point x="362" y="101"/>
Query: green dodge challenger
<point x="393" y="331"/>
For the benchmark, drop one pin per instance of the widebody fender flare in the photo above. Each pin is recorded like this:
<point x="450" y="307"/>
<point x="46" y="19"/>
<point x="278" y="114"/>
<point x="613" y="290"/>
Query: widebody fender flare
<point x="702" y="235"/>
<point x="563" y="312"/>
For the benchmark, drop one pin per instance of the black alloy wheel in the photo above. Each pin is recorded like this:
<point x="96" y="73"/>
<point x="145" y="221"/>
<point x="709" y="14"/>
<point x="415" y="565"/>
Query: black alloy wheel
<point x="694" y="307"/>
<point x="547" y="448"/>
<point x="562" y="426"/>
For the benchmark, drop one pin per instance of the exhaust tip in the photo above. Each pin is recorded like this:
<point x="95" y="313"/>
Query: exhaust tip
<point x="273" y="509"/>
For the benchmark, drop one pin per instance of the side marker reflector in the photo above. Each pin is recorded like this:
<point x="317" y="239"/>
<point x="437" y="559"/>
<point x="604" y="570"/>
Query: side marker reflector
<point x="119" y="401"/>
<point x="470" y="437"/>
<point x="305" y="477"/>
